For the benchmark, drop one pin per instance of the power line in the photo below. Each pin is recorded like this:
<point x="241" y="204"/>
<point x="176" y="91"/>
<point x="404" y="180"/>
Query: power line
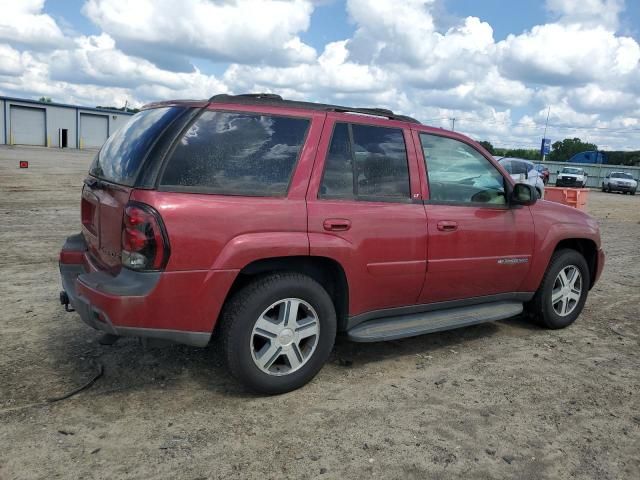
<point x="537" y="125"/>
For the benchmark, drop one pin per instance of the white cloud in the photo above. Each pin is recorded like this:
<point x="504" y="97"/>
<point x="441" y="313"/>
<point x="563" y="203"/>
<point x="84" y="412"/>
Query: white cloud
<point x="22" y="22"/>
<point x="593" y="98"/>
<point x="243" y="31"/>
<point x="558" y="54"/>
<point x="396" y="58"/>
<point x="10" y="61"/>
<point x="587" y="12"/>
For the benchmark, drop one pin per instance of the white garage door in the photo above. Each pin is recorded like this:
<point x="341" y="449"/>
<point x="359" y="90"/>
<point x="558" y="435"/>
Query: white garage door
<point x="93" y="130"/>
<point x="27" y="126"/>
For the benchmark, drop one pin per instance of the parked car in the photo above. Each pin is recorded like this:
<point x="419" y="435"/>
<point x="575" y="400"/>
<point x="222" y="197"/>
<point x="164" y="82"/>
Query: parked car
<point x="619" y="182"/>
<point x="571" y="177"/>
<point x="524" y="171"/>
<point x="277" y="224"/>
<point x="544" y="172"/>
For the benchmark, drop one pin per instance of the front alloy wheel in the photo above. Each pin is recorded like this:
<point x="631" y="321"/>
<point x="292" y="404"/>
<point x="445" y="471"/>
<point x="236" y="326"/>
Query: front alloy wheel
<point x="563" y="290"/>
<point x="567" y="290"/>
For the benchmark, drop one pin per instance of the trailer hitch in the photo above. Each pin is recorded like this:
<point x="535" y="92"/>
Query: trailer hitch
<point x="64" y="300"/>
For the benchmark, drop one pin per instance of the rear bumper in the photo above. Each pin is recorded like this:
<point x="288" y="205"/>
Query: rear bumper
<point x="178" y="306"/>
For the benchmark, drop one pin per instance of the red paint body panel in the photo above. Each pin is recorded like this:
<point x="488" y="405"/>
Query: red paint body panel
<point x="188" y="301"/>
<point x="464" y="263"/>
<point x="103" y="231"/>
<point x="555" y="222"/>
<point x="384" y="252"/>
<point x="221" y="232"/>
<point x="393" y="254"/>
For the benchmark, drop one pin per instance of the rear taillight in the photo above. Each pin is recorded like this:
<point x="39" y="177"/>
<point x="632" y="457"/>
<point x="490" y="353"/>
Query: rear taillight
<point x="145" y="245"/>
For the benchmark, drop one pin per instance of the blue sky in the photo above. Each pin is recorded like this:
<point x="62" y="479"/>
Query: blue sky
<point x="495" y="65"/>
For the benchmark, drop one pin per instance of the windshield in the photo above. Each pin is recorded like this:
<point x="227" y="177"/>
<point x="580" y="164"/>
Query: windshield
<point x="622" y="175"/>
<point x="572" y="171"/>
<point x="119" y="159"/>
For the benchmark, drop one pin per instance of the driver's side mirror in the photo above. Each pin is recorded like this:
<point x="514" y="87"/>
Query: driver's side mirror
<point x="523" y="194"/>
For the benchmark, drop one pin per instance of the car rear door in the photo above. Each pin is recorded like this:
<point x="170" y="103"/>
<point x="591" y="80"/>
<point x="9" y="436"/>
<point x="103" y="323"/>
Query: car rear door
<point x="364" y="210"/>
<point x="477" y="245"/>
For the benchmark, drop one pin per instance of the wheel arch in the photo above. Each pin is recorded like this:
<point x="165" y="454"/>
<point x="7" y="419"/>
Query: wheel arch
<point x="326" y="271"/>
<point x="587" y="248"/>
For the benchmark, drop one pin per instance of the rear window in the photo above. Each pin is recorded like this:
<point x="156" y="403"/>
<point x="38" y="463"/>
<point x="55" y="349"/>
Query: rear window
<point x="622" y="175"/>
<point x="122" y="154"/>
<point x="227" y="153"/>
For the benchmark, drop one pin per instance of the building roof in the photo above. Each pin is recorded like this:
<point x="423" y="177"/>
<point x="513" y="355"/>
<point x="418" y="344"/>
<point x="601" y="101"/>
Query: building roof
<point x="64" y="105"/>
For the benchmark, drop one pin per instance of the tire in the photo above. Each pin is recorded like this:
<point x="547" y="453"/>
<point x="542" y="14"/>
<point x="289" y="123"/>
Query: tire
<point x="248" y="348"/>
<point x="603" y="189"/>
<point x="541" y="306"/>
<point x="633" y="192"/>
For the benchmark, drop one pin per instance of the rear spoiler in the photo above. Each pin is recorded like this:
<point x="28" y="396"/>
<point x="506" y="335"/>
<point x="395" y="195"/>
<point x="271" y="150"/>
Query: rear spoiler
<point x="176" y="103"/>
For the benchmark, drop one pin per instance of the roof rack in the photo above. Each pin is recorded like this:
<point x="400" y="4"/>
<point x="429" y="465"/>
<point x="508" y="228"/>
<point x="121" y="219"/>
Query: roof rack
<point x="277" y="100"/>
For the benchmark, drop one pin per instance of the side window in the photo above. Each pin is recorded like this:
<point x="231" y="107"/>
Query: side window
<point x="381" y="162"/>
<point x="457" y="173"/>
<point x="337" y="180"/>
<point x="237" y="154"/>
<point x="366" y="163"/>
<point x="520" y="168"/>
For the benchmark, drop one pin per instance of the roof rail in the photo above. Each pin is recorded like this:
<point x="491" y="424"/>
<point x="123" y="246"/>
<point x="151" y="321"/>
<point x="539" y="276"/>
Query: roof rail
<point x="273" y="99"/>
<point x="376" y="112"/>
<point x="269" y="96"/>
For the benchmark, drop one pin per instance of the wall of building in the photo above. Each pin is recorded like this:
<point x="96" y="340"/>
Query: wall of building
<point x="3" y="140"/>
<point x="58" y="116"/>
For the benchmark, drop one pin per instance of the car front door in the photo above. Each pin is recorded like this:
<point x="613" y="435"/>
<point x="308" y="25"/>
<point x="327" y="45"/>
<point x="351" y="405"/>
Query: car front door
<point x="362" y="213"/>
<point x="478" y="245"/>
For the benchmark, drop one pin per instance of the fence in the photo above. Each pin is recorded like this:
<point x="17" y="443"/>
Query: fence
<point x="595" y="172"/>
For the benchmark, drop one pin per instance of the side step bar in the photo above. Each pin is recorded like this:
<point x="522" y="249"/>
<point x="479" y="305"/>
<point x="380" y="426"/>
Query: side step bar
<point x="410" y="325"/>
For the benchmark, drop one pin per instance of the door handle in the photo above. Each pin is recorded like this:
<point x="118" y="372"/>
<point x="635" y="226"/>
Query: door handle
<point x="336" y="224"/>
<point x="447" y="226"/>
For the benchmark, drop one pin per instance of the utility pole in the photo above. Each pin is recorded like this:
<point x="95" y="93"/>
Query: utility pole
<point x="453" y="124"/>
<point x="546" y="124"/>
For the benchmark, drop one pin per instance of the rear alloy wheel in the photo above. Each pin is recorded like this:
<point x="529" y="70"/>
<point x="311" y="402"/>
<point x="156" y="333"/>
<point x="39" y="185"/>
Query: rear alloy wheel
<point x="278" y="332"/>
<point x="563" y="291"/>
<point x="285" y="336"/>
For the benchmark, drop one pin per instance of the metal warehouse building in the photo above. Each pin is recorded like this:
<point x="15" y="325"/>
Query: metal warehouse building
<point x="28" y="122"/>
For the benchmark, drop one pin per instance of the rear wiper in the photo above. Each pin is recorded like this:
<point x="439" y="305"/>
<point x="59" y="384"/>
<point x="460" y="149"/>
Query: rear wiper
<point x="94" y="183"/>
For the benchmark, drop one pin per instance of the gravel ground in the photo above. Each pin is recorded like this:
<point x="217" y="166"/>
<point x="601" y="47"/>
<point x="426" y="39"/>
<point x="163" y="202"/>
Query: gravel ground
<point x="504" y="399"/>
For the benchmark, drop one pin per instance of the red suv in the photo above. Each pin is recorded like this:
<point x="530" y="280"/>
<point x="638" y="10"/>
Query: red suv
<point x="280" y="223"/>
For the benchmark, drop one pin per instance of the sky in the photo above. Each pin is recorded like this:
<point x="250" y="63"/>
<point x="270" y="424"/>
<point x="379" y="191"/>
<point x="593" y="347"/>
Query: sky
<point x="496" y="66"/>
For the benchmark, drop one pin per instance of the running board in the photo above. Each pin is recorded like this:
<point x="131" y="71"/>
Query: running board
<point x="410" y="325"/>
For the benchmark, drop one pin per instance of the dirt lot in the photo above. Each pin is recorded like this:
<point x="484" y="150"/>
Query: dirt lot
<point x="499" y="400"/>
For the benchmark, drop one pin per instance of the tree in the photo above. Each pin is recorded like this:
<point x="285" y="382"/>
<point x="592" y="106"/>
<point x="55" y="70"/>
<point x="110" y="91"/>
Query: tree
<point x="45" y="99"/>
<point x="487" y="146"/>
<point x="567" y="148"/>
<point x="533" y="155"/>
<point x="122" y="109"/>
